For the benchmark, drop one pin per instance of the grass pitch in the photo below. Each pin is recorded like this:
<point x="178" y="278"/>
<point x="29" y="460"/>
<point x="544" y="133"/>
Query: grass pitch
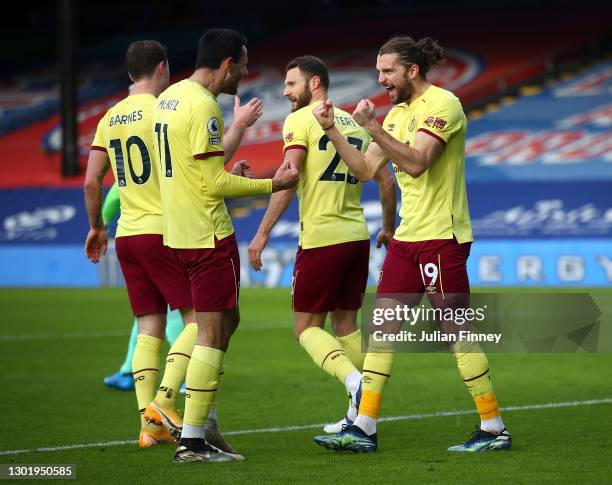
<point x="57" y="345"/>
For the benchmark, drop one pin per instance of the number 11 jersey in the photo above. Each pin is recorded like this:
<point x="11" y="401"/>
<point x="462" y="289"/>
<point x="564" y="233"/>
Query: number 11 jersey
<point x="329" y="195"/>
<point x="126" y="134"/>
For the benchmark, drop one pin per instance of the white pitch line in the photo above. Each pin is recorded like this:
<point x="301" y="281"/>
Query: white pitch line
<point x="24" y="337"/>
<point x="406" y="417"/>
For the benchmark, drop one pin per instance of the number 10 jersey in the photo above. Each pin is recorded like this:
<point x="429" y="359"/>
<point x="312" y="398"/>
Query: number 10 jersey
<point x="329" y="195"/>
<point x="125" y="133"/>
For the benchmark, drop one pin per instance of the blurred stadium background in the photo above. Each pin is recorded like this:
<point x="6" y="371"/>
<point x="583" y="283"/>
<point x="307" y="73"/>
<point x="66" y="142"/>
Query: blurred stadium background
<point x="535" y="79"/>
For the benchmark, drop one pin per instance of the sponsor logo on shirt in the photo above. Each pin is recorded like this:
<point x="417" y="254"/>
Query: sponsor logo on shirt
<point x="436" y="123"/>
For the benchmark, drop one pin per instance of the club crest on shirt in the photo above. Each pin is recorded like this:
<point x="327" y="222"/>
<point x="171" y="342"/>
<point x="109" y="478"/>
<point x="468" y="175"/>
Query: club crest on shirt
<point x="390" y="127"/>
<point x="289" y="137"/>
<point x="412" y="124"/>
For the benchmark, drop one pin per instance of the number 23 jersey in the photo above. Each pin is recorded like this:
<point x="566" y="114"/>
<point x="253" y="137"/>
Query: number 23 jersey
<point x="126" y="135"/>
<point x="329" y="195"/>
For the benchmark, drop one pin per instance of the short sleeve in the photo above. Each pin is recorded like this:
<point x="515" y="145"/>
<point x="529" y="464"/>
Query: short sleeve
<point x="443" y="120"/>
<point x="295" y="134"/>
<point x="206" y="130"/>
<point x="98" y="142"/>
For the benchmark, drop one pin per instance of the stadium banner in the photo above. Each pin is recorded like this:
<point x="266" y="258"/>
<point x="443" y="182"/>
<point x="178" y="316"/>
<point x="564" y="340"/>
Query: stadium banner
<point x="526" y="234"/>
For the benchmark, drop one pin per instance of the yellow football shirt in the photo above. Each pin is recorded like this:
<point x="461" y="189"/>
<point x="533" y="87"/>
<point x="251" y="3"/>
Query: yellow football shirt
<point x="124" y="133"/>
<point x="188" y="129"/>
<point x="328" y="195"/>
<point x="434" y="205"/>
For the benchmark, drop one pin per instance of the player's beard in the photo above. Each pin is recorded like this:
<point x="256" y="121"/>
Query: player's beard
<point x="230" y="85"/>
<point x="302" y="100"/>
<point x="403" y="93"/>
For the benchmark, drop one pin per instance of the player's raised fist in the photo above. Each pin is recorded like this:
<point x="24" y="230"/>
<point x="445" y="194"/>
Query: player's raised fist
<point x="285" y="177"/>
<point x="95" y="244"/>
<point x="324" y="113"/>
<point x="365" y="112"/>
<point x="242" y="169"/>
<point x="246" y="115"/>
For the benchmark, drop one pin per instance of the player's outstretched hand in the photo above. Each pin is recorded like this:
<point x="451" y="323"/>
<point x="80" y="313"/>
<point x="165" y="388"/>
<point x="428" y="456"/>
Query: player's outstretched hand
<point x="384" y="236"/>
<point x="249" y="113"/>
<point x="255" y="249"/>
<point x="285" y="177"/>
<point x="242" y="169"/>
<point x="365" y="112"/>
<point x="324" y="113"/>
<point x="95" y="244"/>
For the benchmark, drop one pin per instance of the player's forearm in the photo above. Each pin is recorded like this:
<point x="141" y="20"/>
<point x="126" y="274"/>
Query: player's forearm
<point x="111" y="206"/>
<point x="386" y="188"/>
<point x="97" y="166"/>
<point x="279" y="202"/>
<point x="351" y="156"/>
<point x="223" y="184"/>
<point x="231" y="141"/>
<point x="409" y="160"/>
<point x="93" y="203"/>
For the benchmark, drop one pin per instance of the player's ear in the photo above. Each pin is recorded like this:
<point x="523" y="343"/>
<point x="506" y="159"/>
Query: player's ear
<point x="315" y="82"/>
<point x="413" y="71"/>
<point x="226" y="64"/>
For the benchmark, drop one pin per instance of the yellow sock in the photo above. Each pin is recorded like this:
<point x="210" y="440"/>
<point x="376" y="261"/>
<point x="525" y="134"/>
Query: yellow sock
<point x="474" y="369"/>
<point x="212" y="414"/>
<point x="376" y="371"/>
<point x="326" y="352"/>
<point x="351" y="344"/>
<point x="202" y="383"/>
<point x="145" y="365"/>
<point x="176" y="366"/>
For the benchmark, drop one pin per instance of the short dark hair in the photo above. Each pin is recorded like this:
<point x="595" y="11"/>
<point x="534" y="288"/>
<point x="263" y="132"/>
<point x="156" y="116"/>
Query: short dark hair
<point x="426" y="53"/>
<point x="143" y="56"/>
<point x="219" y="44"/>
<point x="311" y="66"/>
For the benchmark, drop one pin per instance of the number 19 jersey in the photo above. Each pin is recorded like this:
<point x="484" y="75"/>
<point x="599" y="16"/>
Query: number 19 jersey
<point x="329" y="195"/>
<point x="125" y="133"/>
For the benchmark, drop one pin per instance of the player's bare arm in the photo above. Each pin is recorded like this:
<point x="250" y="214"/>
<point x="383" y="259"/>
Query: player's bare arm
<point x="412" y="160"/>
<point x="363" y="166"/>
<point x="386" y="188"/>
<point x="244" y="116"/>
<point x="279" y="202"/>
<point x="97" y="240"/>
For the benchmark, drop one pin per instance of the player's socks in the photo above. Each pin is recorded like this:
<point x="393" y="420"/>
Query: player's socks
<point x="366" y="424"/>
<point x="376" y="371"/>
<point x="126" y="367"/>
<point x="474" y="369"/>
<point x="176" y="367"/>
<point x="145" y="365"/>
<point x="202" y="384"/>
<point x="327" y="353"/>
<point x="351" y="344"/>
